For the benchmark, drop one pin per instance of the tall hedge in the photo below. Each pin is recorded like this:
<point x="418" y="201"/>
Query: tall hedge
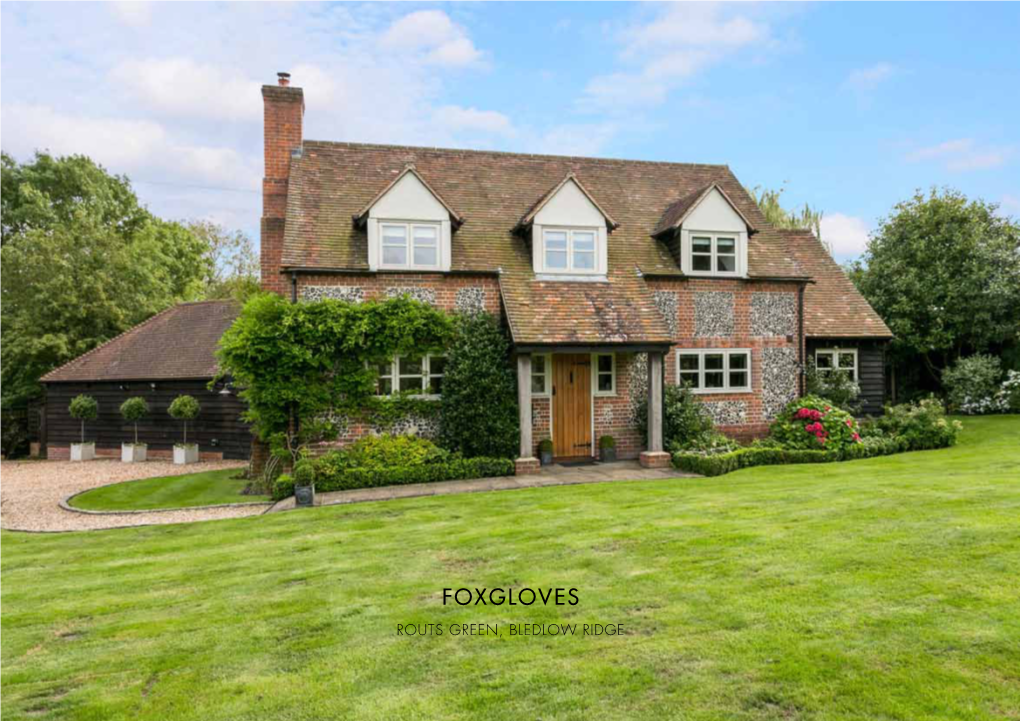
<point x="479" y="400"/>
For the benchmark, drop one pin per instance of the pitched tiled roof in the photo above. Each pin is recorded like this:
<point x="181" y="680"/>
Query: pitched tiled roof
<point x="179" y="342"/>
<point x="332" y="182"/>
<point x="675" y="214"/>
<point x="833" y="307"/>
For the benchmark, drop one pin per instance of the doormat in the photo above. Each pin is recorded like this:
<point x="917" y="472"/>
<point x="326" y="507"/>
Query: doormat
<point x="571" y="464"/>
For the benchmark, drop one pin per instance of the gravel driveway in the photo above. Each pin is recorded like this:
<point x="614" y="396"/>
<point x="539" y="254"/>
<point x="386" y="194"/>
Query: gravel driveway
<point x="31" y="491"/>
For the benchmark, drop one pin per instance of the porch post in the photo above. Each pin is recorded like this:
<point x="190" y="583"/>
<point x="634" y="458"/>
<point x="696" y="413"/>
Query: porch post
<point x="526" y="462"/>
<point x="654" y="456"/>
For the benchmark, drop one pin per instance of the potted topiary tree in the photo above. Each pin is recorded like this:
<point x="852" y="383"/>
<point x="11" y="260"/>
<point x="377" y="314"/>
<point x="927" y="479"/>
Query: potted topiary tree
<point x="84" y="408"/>
<point x="185" y="408"/>
<point x="134" y="410"/>
<point x="607" y="449"/>
<point x="304" y="483"/>
<point x="545" y="451"/>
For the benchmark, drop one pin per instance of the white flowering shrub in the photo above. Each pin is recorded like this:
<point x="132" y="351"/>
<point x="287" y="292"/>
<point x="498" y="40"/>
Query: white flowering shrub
<point x="972" y="385"/>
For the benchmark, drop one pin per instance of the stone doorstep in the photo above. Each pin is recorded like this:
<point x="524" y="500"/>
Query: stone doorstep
<point x="655" y="459"/>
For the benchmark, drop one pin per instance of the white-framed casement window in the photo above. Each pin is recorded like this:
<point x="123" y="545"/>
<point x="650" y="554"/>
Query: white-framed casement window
<point x="569" y="250"/>
<point x="412" y="373"/>
<point x="715" y="371"/>
<point x="714" y="254"/>
<point x="841" y="359"/>
<point x="409" y="245"/>
<point x="604" y="372"/>
<point x="541" y="370"/>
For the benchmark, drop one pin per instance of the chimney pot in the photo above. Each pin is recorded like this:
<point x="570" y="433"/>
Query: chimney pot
<point x="283" y="79"/>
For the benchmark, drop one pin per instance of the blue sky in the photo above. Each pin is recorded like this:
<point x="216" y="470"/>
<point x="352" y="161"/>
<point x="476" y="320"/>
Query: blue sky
<point x="852" y="106"/>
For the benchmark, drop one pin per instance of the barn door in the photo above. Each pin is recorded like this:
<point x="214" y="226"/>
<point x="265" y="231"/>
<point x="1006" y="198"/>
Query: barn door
<point x="572" y="406"/>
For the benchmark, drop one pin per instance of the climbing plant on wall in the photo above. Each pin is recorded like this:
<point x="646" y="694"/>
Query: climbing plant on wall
<point x="316" y="361"/>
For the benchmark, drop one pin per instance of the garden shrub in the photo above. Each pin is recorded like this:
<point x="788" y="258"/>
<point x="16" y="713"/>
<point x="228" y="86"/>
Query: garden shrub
<point x="452" y="469"/>
<point x="686" y="424"/>
<point x="304" y="473"/>
<point x="764" y="455"/>
<point x="479" y="414"/>
<point x="133" y="410"/>
<point x="919" y="426"/>
<point x="1009" y="393"/>
<point x="283" y="487"/>
<point x="834" y="385"/>
<point x="812" y="422"/>
<point x="83" y="408"/>
<point x="972" y="384"/>
<point x="184" y="408"/>
<point x="607" y="442"/>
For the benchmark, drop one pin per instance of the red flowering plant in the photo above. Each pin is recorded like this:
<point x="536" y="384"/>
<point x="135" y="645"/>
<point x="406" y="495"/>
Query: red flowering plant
<point x="814" y="423"/>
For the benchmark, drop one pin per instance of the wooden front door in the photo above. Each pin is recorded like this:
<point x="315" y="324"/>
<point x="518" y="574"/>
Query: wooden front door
<point x="572" y="406"/>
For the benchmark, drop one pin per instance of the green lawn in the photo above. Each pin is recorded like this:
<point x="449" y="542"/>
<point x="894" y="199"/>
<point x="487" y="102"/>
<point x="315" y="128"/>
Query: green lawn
<point x="879" y="589"/>
<point x="207" y="488"/>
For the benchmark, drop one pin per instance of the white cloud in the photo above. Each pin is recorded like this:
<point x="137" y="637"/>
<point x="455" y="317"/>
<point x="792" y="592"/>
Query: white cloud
<point x="434" y="36"/>
<point x="183" y="87"/>
<point x="846" y="235"/>
<point x="682" y="41"/>
<point x="458" y="118"/>
<point x="962" y="154"/>
<point x="867" y="79"/>
<point x="134" y="13"/>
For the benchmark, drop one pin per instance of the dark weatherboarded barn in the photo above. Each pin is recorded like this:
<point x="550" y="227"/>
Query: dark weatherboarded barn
<point x="171" y="354"/>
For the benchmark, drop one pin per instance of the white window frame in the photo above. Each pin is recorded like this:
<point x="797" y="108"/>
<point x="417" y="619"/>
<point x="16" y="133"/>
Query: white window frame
<point x="714" y="237"/>
<point x="409" y="227"/>
<point x="595" y="375"/>
<point x="570" y="231"/>
<point x="835" y="352"/>
<point x="546" y="375"/>
<point x="726" y="353"/>
<point x="426" y="375"/>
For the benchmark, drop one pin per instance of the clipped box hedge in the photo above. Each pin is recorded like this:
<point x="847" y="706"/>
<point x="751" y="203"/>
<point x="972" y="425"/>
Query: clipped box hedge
<point x="717" y="465"/>
<point x="348" y="479"/>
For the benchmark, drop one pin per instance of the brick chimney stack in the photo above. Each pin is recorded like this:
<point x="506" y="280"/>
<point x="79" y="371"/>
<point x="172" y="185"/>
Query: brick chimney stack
<point x="284" y="109"/>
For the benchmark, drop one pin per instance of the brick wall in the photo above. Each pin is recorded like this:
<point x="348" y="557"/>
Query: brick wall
<point x="446" y="292"/>
<point x="283" y="113"/>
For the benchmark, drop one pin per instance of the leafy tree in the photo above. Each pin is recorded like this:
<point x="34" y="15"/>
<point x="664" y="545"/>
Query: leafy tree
<point x="83" y="408"/>
<point x="82" y="262"/>
<point x="944" y="274"/>
<point x="233" y="261"/>
<point x="184" y="408"/>
<point x="807" y="218"/>
<point x="134" y="409"/>
<point x="479" y="402"/>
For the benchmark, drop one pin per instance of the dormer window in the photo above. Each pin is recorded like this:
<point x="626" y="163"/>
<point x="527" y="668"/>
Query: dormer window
<point x="410" y="245"/>
<point x="409" y="226"/>
<point x="569" y="250"/>
<point x="707" y="233"/>
<point x="569" y="234"/>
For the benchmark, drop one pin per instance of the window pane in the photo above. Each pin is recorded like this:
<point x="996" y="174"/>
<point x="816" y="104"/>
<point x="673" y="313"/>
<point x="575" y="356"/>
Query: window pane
<point x="394" y="255"/>
<point x="823" y="360"/>
<point x="846" y="361"/>
<point x="726" y="245"/>
<point x="394" y="235"/>
<point x="605" y="364"/>
<point x="435" y="385"/>
<point x="537" y="383"/>
<point x="726" y="263"/>
<point x="538" y="364"/>
<point x="385" y="387"/>
<point x="424" y="256"/>
<point x="410" y="384"/>
<point x="714" y="380"/>
<point x="584" y="261"/>
<point x="690" y="379"/>
<point x="410" y="366"/>
<point x="556" y="259"/>
<point x="738" y="361"/>
<point x="701" y="262"/>
<point x="425" y="235"/>
<point x="584" y="241"/>
<point x="738" y="379"/>
<point x="556" y="239"/>
<point x="605" y="381"/>
<point x="437" y="365"/>
<point x="713" y="361"/>
<point x="688" y="362"/>
<point x="701" y="245"/>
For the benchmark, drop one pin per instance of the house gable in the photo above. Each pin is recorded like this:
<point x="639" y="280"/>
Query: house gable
<point x="707" y="234"/>
<point x="570" y="212"/>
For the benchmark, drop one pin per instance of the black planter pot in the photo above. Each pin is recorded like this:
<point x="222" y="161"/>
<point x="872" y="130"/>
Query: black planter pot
<point x="304" y="495"/>
<point x="607" y="455"/>
<point x="545" y="457"/>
